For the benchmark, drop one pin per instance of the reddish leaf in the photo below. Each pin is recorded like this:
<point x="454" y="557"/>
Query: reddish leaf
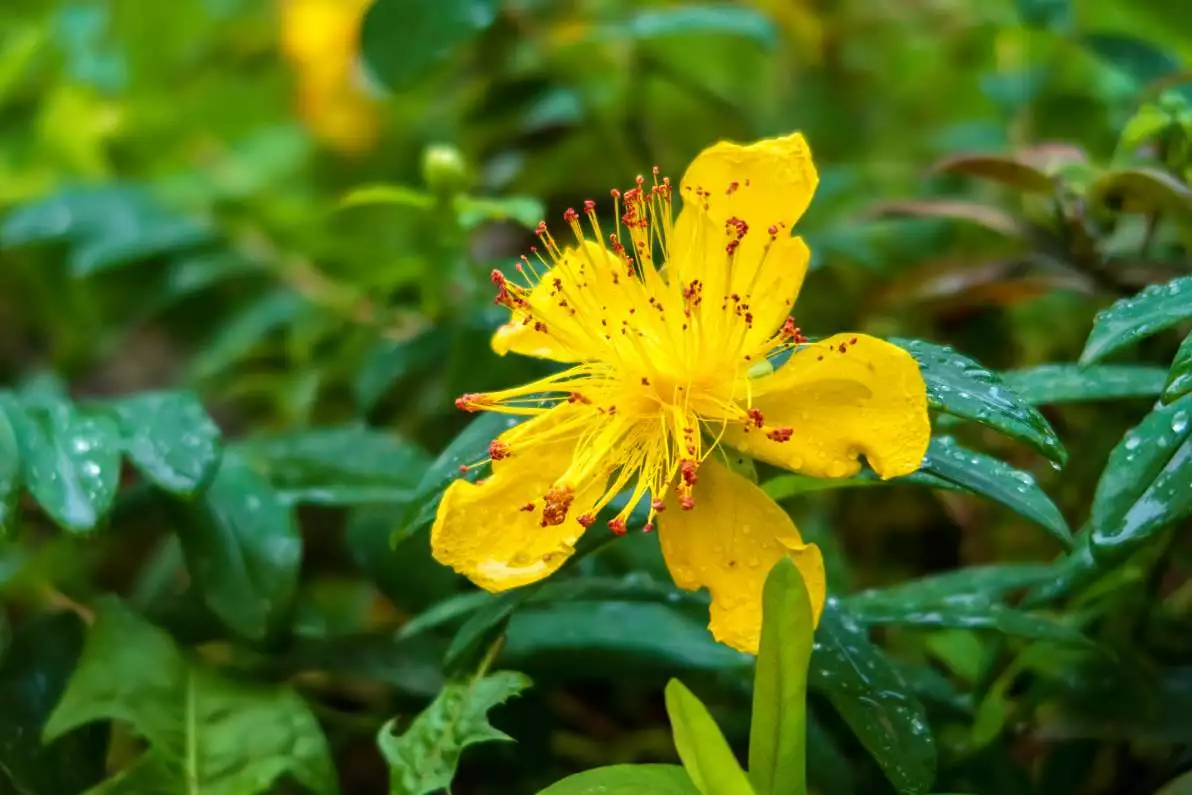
<point x="982" y="214"/>
<point x="1014" y="172"/>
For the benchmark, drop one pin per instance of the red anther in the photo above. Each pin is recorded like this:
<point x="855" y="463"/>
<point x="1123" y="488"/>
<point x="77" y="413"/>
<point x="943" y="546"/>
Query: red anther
<point x="472" y="401"/>
<point x="498" y="450"/>
<point x="648" y="527"/>
<point x="640" y="180"/>
<point x="748" y="318"/>
<point x="616" y="194"/>
<point x="690" y="471"/>
<point x="731" y="246"/>
<point x="617" y="526"/>
<point x="541" y="228"/>
<point x="539" y="326"/>
<point x="732" y="188"/>
<point x="576" y="397"/>
<point x="558" y="502"/>
<point x="780" y="434"/>
<point x="658" y="505"/>
<point x="570" y="215"/>
<point x="756" y="416"/>
<point x="528" y="507"/>
<point x="496" y="277"/>
<point x="519" y="268"/>
<point x="843" y="348"/>
<point x="463" y="469"/>
<point x="773" y="230"/>
<point x="589" y="206"/>
<point x="655" y="170"/>
<point x="533" y="249"/>
<point x="687" y="502"/>
<point x="793" y="332"/>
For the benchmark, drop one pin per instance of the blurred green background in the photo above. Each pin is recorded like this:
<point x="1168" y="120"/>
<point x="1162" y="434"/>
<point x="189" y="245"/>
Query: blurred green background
<point x="290" y="210"/>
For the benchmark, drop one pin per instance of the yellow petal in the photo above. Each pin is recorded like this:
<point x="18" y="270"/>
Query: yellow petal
<point x="848" y="395"/>
<point x="770" y="182"/>
<point x="566" y="306"/>
<point x="728" y="543"/>
<point x="492" y="532"/>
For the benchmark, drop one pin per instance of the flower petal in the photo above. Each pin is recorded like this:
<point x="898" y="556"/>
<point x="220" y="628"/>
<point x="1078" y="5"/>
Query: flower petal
<point x="492" y="531"/>
<point x="562" y="321"/>
<point x="766" y="183"/>
<point x="728" y="543"/>
<point x="848" y="395"/>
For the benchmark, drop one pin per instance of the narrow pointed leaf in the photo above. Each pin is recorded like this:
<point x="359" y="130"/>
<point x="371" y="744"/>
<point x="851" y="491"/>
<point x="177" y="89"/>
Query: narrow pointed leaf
<point x="1004" y="169"/>
<point x="778" y="730"/>
<point x="1145" y="485"/>
<point x="959" y="386"/>
<point x="705" y="753"/>
<point x="1179" y="378"/>
<point x="1157" y="307"/>
<point x="874" y="700"/>
<point x="998" y="481"/>
<point x="423" y="759"/>
<point x="1071" y="383"/>
<point x="10" y="473"/>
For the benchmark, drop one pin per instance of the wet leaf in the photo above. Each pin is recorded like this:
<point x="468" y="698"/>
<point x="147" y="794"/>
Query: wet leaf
<point x="626" y="780"/>
<point x="1179" y="378"/>
<point x="964" y="599"/>
<point x="239" y="335"/>
<point x="705" y="753"/>
<point x="423" y="759"/>
<point x="242" y="549"/>
<point x="1144" y="487"/>
<point x="778" y="728"/>
<point x="206" y="733"/>
<point x="873" y="699"/>
<point x="991" y="218"/>
<point x="647" y="633"/>
<point x="714" y="19"/>
<point x="997" y="480"/>
<point x="1004" y="169"/>
<point x="403" y="41"/>
<point x="70" y="458"/>
<point x="959" y="386"/>
<point x="33" y="675"/>
<point x="1155" y="308"/>
<point x="170" y="438"/>
<point x="337" y="465"/>
<point x="10" y="473"/>
<point x="1070" y="383"/>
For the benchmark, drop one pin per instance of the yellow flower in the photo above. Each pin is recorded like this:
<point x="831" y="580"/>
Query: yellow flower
<point x="671" y="331"/>
<point x="320" y="38"/>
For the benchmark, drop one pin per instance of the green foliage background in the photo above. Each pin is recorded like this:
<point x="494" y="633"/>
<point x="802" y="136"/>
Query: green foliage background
<point x="240" y="288"/>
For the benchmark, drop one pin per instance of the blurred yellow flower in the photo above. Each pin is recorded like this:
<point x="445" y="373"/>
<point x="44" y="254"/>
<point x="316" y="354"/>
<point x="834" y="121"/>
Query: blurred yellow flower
<point x="671" y="331"/>
<point x="320" y="38"/>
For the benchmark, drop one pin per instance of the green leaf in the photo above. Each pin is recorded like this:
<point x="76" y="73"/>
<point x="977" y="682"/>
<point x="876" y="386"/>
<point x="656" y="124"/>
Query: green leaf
<point x="873" y="699"/>
<point x="338" y="466"/>
<point x="604" y="633"/>
<point x="964" y="599"/>
<point x="423" y="759"/>
<point x="626" y="780"/>
<point x="70" y="458"/>
<point x="705" y="753"/>
<point x="485" y="624"/>
<point x="1003" y="169"/>
<point x="1143" y="190"/>
<point x="1140" y="60"/>
<point x="238" y="336"/>
<point x="475" y="210"/>
<point x="1144" y="487"/>
<point x="389" y="361"/>
<point x="1157" y="307"/>
<point x="467" y="448"/>
<point x="1069" y="383"/>
<point x="998" y="481"/>
<point x="206" y="733"/>
<point x="170" y="438"/>
<point x="1179" y="378"/>
<point x="33" y="676"/>
<point x="242" y="549"/>
<point x="1049" y="14"/>
<point x="398" y="195"/>
<point x="404" y="40"/>
<point x="10" y="472"/>
<point x="778" y="730"/>
<point x="711" y="19"/>
<point x="104" y="226"/>
<point x="959" y="386"/>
